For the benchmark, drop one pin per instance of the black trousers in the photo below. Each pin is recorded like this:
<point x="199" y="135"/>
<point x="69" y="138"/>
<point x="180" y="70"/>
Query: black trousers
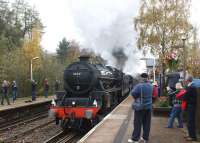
<point x="142" y="119"/>
<point x="191" y="109"/>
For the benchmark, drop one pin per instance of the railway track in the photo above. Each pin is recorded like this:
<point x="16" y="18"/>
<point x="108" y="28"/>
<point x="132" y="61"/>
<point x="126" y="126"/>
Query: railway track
<point x="63" y="137"/>
<point x="14" y="116"/>
<point x="25" y="130"/>
<point x="23" y="121"/>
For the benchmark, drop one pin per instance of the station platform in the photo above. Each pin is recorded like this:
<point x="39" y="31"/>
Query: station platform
<point x="117" y="127"/>
<point x="22" y="102"/>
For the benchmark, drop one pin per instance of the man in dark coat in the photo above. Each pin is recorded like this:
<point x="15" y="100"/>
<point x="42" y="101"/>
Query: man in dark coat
<point x="33" y="90"/>
<point x="46" y="88"/>
<point x="191" y="100"/>
<point x="56" y="86"/>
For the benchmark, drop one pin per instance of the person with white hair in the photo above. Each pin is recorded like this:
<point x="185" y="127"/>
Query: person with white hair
<point x="176" y="111"/>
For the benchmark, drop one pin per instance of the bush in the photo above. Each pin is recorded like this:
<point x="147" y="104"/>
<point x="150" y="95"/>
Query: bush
<point x="162" y="102"/>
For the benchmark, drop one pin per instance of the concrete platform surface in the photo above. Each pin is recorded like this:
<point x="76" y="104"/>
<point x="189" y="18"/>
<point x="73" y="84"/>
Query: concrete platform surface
<point x="158" y="133"/>
<point x="107" y="130"/>
<point x="117" y="127"/>
<point x="26" y="101"/>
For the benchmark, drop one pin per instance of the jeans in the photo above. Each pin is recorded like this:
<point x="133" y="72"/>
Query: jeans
<point x="142" y="118"/>
<point x="175" y="113"/>
<point x="14" y="95"/>
<point x="33" y="95"/>
<point x="191" y="109"/>
<point x="46" y="93"/>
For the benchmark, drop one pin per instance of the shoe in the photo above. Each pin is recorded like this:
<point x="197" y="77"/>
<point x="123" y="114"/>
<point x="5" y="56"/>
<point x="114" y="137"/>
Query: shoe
<point x="186" y="136"/>
<point x="191" y="139"/>
<point x="143" y="140"/>
<point x="132" y="141"/>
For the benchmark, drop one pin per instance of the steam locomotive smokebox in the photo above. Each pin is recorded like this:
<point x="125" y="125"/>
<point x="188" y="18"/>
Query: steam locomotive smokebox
<point x="84" y="58"/>
<point x="198" y="108"/>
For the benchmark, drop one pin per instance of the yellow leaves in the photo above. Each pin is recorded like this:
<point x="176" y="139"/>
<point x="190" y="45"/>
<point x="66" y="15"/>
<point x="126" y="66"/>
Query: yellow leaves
<point x="31" y="47"/>
<point x="73" y="52"/>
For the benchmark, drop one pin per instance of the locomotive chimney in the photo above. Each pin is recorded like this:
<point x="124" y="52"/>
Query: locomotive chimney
<point x="84" y="58"/>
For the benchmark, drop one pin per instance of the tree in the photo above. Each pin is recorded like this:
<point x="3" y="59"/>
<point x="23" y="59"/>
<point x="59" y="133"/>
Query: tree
<point x="73" y="52"/>
<point x="62" y="50"/>
<point x="160" y="26"/>
<point x="193" y="59"/>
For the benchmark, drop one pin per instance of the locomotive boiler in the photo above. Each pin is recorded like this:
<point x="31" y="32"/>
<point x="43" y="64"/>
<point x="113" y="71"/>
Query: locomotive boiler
<point x="90" y="90"/>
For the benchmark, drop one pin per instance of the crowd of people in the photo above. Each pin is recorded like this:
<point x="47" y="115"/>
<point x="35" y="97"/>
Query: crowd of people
<point x="184" y="99"/>
<point x="7" y="88"/>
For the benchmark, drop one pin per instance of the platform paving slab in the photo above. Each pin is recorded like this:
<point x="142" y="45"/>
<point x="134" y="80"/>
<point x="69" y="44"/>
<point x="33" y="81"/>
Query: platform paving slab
<point x="117" y="127"/>
<point x="160" y="134"/>
<point x="25" y="101"/>
<point x="107" y="130"/>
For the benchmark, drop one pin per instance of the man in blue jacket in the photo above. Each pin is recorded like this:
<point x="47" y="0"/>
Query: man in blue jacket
<point x="142" y="92"/>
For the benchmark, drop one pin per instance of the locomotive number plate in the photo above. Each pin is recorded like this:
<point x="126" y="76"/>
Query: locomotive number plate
<point x="76" y="73"/>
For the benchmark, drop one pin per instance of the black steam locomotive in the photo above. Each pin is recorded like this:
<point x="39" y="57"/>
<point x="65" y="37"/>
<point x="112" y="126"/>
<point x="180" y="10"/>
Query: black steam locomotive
<point x="90" y="90"/>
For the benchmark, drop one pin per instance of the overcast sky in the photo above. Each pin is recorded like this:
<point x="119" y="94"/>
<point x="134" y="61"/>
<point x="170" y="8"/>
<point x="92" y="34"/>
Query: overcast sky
<point x="96" y="24"/>
<point x="58" y="16"/>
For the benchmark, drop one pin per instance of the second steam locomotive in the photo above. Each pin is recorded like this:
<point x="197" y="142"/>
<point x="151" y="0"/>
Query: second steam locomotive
<point x="90" y="91"/>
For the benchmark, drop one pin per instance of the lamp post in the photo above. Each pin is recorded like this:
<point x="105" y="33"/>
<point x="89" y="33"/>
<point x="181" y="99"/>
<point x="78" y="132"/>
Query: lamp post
<point x="184" y="58"/>
<point x="35" y="58"/>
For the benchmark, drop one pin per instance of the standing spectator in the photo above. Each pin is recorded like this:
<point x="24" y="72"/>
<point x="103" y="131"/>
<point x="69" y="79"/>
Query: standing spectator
<point x="46" y="88"/>
<point x="191" y="104"/>
<point x="176" y="111"/>
<point x="56" y="86"/>
<point x="33" y="89"/>
<point x="142" y="93"/>
<point x="5" y="92"/>
<point x="155" y="91"/>
<point x="14" y="90"/>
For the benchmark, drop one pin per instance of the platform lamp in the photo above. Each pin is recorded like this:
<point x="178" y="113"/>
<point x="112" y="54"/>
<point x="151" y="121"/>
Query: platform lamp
<point x="35" y="58"/>
<point x="184" y="57"/>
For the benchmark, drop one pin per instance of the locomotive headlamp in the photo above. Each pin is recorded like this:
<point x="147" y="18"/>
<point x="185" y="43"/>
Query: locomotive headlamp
<point x="103" y="73"/>
<point x="95" y="103"/>
<point x="53" y="103"/>
<point x="73" y="103"/>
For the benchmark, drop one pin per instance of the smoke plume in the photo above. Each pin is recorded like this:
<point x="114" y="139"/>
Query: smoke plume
<point x="106" y="26"/>
<point x="120" y="57"/>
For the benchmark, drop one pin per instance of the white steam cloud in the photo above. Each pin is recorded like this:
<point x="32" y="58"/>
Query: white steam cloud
<point x="106" y="24"/>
